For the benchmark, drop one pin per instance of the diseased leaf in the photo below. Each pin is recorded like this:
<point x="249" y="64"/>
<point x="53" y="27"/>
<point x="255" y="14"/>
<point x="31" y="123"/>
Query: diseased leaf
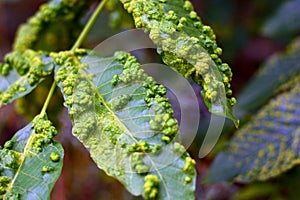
<point x="121" y="115"/>
<point x="265" y="147"/>
<point x="29" y="68"/>
<point x="30" y="162"/>
<point x="188" y="46"/>
<point x="275" y="73"/>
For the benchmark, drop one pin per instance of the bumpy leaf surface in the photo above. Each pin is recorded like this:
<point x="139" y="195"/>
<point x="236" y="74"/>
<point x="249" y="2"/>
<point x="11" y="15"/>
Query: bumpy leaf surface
<point x="30" y="162"/>
<point x="119" y="113"/>
<point x="188" y="46"/>
<point x="21" y="73"/>
<point x="267" y="146"/>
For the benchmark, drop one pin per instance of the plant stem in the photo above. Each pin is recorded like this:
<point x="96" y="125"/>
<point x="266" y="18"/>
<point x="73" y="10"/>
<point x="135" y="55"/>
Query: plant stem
<point x="89" y="25"/>
<point x="48" y="98"/>
<point x="77" y="44"/>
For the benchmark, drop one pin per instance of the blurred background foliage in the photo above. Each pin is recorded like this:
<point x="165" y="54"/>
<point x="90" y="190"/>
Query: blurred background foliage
<point x="249" y="32"/>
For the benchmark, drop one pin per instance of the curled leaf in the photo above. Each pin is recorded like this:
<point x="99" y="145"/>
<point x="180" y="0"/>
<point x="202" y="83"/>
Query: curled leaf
<point x="188" y="46"/>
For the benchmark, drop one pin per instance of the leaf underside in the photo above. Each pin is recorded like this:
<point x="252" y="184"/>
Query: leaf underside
<point x="31" y="162"/>
<point x="267" y="146"/>
<point x="188" y="46"/>
<point x="130" y="137"/>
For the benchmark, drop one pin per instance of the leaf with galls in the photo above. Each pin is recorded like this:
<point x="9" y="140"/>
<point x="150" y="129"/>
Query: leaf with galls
<point x="27" y="167"/>
<point x="121" y="115"/>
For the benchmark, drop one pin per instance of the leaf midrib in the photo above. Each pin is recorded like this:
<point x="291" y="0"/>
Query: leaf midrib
<point x="123" y="126"/>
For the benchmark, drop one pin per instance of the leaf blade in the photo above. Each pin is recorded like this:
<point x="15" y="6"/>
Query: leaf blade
<point x="265" y="147"/>
<point x="277" y="71"/>
<point x="187" y="46"/>
<point x="31" y="173"/>
<point x="30" y="68"/>
<point x="113" y="122"/>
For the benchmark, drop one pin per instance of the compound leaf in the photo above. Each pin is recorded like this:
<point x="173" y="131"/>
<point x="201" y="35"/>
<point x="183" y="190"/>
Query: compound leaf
<point x="121" y="115"/>
<point x="21" y="73"/>
<point x="188" y="46"/>
<point x="30" y="162"/>
<point x="265" y="147"/>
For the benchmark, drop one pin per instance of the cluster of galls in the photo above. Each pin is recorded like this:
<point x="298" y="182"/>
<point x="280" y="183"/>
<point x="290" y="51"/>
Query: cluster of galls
<point x="170" y="30"/>
<point x="132" y="71"/>
<point x="120" y="102"/>
<point x="69" y="65"/>
<point x="163" y="121"/>
<point x="137" y="163"/>
<point x="81" y="107"/>
<point x="10" y="161"/>
<point x="189" y="168"/>
<point x="151" y="186"/>
<point x="144" y="147"/>
<point x="44" y="133"/>
<point x="78" y="90"/>
<point x="30" y="66"/>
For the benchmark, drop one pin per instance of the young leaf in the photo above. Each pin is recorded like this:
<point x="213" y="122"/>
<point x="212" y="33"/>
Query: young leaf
<point x="278" y="70"/>
<point x="30" y="162"/>
<point x="265" y="147"/>
<point x="119" y="113"/>
<point x="30" y="68"/>
<point x="188" y="46"/>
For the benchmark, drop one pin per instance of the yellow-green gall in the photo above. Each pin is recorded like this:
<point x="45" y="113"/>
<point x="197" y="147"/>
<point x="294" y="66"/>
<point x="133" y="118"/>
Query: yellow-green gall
<point x="218" y="51"/>
<point x="4" y="183"/>
<point x="232" y="101"/>
<point x="47" y="169"/>
<point x="188" y="6"/>
<point x="189" y="166"/>
<point x="166" y="139"/>
<point x="54" y="156"/>
<point x="9" y="144"/>
<point x="120" y="102"/>
<point x="115" y="79"/>
<point x="151" y="186"/>
<point x="141" y="169"/>
<point x="10" y="158"/>
<point x="193" y="15"/>
<point x="188" y="179"/>
<point x="178" y="148"/>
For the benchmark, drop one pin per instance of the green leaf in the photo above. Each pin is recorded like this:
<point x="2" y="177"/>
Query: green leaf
<point x="278" y="70"/>
<point x="188" y="46"/>
<point x="284" y="24"/>
<point x="29" y="67"/>
<point x="119" y="114"/>
<point x="38" y="30"/>
<point x="265" y="147"/>
<point x="30" y="162"/>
